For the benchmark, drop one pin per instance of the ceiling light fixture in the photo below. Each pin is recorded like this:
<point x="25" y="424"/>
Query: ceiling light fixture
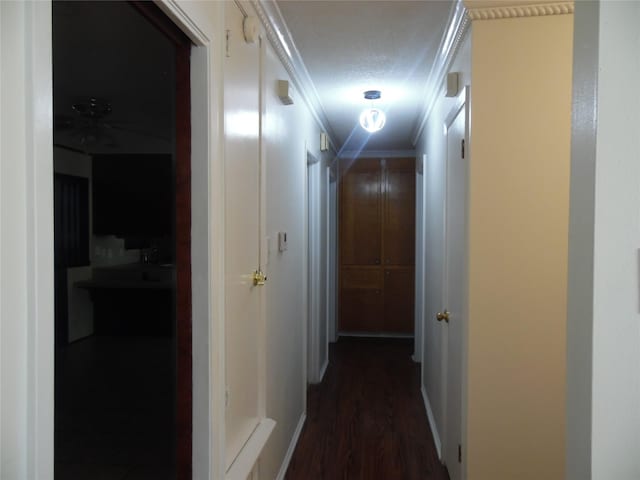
<point x="372" y="119"/>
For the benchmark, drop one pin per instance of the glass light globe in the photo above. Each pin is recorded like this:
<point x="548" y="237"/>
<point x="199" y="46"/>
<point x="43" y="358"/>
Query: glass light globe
<point x="372" y="119"/>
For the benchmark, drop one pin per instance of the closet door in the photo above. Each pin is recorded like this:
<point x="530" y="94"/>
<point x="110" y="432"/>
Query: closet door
<point x="399" y="244"/>
<point x="361" y="284"/>
<point x="377" y="244"/>
<point x="361" y="214"/>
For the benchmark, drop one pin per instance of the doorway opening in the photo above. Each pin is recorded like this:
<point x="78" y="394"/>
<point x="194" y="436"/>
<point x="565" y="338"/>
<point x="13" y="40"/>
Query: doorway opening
<point x="122" y="220"/>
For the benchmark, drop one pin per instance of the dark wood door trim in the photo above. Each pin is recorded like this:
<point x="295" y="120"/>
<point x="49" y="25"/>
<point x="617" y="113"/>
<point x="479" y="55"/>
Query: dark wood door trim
<point x="184" y="365"/>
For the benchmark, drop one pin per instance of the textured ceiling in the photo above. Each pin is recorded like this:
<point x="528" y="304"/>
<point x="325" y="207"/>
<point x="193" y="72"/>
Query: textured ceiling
<point x="352" y="46"/>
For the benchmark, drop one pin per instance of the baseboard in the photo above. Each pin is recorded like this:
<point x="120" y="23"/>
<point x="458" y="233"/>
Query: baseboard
<point x="375" y="335"/>
<point x="323" y="370"/>
<point x="292" y="447"/>
<point x="432" y="423"/>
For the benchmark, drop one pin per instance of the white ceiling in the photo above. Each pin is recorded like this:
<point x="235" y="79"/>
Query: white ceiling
<point x="352" y="46"/>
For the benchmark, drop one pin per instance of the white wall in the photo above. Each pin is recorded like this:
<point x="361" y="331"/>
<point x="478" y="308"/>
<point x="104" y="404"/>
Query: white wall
<point x="26" y="245"/>
<point x="433" y="143"/>
<point x="289" y="131"/>
<point x="604" y="319"/>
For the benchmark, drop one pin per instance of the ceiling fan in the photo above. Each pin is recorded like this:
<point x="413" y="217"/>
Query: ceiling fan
<point x="87" y="128"/>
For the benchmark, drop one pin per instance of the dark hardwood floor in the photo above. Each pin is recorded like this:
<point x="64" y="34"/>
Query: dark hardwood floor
<point x="366" y="420"/>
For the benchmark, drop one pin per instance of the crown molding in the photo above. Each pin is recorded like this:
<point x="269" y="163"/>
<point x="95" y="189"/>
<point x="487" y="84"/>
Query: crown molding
<point x="457" y="28"/>
<point x="280" y="37"/>
<point x="518" y="11"/>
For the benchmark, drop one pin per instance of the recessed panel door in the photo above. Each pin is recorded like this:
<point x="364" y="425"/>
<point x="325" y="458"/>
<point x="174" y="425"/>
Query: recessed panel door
<point x="242" y="208"/>
<point x="361" y="214"/>
<point x="400" y="212"/>
<point x="398" y="300"/>
<point x="455" y="290"/>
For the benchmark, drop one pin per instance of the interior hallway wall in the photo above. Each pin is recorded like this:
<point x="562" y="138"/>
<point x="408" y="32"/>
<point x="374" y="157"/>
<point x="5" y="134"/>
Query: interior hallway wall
<point x="603" y="385"/>
<point x="518" y="254"/>
<point x="433" y="143"/>
<point x="288" y="132"/>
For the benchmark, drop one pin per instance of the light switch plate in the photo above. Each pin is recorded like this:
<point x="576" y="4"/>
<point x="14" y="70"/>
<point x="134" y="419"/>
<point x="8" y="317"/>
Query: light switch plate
<point x="282" y="241"/>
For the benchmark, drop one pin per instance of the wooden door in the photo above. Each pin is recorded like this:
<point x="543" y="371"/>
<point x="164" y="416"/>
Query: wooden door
<point x="242" y="234"/>
<point x="376" y="246"/>
<point x="399" y="244"/>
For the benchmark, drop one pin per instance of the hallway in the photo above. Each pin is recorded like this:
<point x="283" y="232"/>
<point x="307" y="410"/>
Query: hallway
<point x="366" y="420"/>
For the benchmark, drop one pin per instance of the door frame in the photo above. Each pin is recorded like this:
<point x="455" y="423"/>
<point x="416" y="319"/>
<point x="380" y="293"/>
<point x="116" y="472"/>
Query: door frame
<point x="314" y="323"/>
<point x="201" y="22"/>
<point x="463" y="101"/>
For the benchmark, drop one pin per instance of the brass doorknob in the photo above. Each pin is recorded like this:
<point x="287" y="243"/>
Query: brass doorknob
<point x="259" y="278"/>
<point x="443" y="316"/>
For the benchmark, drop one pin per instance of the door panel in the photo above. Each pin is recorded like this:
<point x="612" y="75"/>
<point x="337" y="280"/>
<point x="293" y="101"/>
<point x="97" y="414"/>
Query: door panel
<point x="362" y="277"/>
<point x="400" y="214"/>
<point x="361" y="214"/>
<point x="455" y="293"/>
<point x="398" y="300"/>
<point x="241" y="99"/>
<point x="361" y="310"/>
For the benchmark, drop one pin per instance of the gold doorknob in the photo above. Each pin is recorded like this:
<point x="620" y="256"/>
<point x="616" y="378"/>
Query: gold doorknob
<point x="443" y="316"/>
<point x="259" y="278"/>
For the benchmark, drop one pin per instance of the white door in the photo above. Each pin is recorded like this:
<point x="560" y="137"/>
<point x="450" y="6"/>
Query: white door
<point x="242" y="233"/>
<point x="455" y="289"/>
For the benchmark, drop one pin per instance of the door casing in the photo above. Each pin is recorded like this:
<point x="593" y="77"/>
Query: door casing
<point x="207" y="244"/>
<point x="455" y="286"/>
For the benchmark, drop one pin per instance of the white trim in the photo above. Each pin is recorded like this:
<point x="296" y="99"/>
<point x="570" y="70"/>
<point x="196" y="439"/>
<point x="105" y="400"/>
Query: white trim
<point x="311" y="159"/>
<point x="292" y="447"/>
<point x="464" y="348"/>
<point x="39" y="247"/>
<point x="282" y="41"/>
<point x="374" y="335"/>
<point x="323" y="370"/>
<point x="457" y="27"/>
<point x="207" y="154"/>
<point x="314" y="170"/>
<point x="174" y="11"/>
<point x="248" y="457"/>
<point x="520" y="11"/>
<point x="432" y="422"/>
<point x="350" y="154"/>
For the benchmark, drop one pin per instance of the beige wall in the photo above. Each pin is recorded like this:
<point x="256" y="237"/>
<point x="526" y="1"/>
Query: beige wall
<point x="518" y="224"/>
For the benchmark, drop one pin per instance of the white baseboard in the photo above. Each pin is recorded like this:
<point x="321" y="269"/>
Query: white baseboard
<point x="292" y="447"/>
<point x="374" y="334"/>
<point x="432" y="423"/>
<point x="323" y="370"/>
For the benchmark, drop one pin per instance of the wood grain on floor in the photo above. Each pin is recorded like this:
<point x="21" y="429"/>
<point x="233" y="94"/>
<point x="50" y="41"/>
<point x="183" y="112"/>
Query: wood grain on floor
<point x="366" y="420"/>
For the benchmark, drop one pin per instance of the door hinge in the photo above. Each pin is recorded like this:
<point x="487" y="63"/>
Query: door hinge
<point x="460" y="446"/>
<point x="227" y="53"/>
<point x="462" y="148"/>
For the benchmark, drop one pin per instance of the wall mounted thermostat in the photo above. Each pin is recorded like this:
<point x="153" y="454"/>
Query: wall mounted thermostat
<point x="282" y="241"/>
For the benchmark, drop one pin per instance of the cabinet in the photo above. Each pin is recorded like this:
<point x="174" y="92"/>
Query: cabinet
<point x="377" y="245"/>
